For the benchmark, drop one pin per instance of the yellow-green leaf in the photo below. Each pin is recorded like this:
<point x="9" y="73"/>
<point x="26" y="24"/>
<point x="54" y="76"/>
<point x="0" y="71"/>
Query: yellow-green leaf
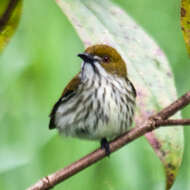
<point x="98" y="21"/>
<point x="185" y="22"/>
<point x="10" y="12"/>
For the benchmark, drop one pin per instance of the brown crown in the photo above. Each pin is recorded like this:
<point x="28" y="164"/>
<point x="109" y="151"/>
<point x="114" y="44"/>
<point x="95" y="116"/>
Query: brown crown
<point x="113" y="63"/>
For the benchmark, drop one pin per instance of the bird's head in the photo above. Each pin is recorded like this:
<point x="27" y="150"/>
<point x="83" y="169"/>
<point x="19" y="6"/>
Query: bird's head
<point x="101" y="60"/>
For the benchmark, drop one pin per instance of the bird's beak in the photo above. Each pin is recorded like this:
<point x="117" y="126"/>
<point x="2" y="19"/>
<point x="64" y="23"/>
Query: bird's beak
<point x="87" y="58"/>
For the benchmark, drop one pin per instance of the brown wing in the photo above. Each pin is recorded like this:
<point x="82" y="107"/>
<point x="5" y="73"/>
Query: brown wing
<point x="68" y="92"/>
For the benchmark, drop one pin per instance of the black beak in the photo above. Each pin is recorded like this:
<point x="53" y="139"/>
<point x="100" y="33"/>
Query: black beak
<point x="86" y="57"/>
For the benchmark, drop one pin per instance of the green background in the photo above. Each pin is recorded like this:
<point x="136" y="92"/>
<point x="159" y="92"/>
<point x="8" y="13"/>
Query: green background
<point x="35" y="67"/>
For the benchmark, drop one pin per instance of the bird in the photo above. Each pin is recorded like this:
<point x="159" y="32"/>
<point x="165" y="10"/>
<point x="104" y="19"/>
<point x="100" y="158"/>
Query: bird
<point x="99" y="102"/>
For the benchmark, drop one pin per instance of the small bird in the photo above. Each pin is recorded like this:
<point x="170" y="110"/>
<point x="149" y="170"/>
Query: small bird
<point x="99" y="102"/>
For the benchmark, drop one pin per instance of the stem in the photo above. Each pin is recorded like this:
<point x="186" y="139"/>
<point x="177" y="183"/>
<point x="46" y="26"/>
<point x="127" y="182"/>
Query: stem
<point x="172" y="122"/>
<point x="150" y="124"/>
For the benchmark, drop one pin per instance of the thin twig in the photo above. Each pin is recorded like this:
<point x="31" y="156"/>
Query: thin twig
<point x="150" y="124"/>
<point x="175" y="106"/>
<point x="172" y="122"/>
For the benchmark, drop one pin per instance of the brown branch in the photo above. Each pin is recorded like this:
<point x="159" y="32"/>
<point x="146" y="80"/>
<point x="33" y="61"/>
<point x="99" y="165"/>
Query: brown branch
<point x="172" y="122"/>
<point x="7" y="14"/>
<point x="150" y="124"/>
<point x="175" y="106"/>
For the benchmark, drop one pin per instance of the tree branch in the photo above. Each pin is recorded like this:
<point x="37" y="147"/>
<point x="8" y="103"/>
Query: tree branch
<point x="171" y="122"/>
<point x="175" y="106"/>
<point x="156" y="121"/>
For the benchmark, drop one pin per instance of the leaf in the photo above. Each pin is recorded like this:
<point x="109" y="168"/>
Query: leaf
<point x="12" y="160"/>
<point x="9" y="18"/>
<point x="103" y="22"/>
<point x="185" y="22"/>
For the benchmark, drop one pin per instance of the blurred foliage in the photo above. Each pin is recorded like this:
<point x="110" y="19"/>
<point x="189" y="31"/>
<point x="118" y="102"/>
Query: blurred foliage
<point x="185" y="22"/>
<point x="34" y="69"/>
<point x="10" y="12"/>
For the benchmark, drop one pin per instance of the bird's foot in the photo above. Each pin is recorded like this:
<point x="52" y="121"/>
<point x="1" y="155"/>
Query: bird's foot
<point x="105" y="145"/>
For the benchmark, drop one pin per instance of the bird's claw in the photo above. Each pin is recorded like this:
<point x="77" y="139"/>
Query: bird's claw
<point x="105" y="146"/>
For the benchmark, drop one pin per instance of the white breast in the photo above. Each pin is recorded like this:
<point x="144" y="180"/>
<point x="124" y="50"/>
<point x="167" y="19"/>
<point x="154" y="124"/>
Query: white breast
<point x="100" y="108"/>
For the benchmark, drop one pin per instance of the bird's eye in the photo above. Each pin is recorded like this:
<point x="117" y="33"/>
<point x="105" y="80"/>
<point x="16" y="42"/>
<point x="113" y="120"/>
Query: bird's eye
<point x="106" y="59"/>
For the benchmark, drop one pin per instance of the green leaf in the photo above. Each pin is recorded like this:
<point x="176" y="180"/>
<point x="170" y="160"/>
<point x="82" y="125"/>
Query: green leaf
<point x="185" y="22"/>
<point x="99" y="21"/>
<point x="12" y="159"/>
<point x="10" y="12"/>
